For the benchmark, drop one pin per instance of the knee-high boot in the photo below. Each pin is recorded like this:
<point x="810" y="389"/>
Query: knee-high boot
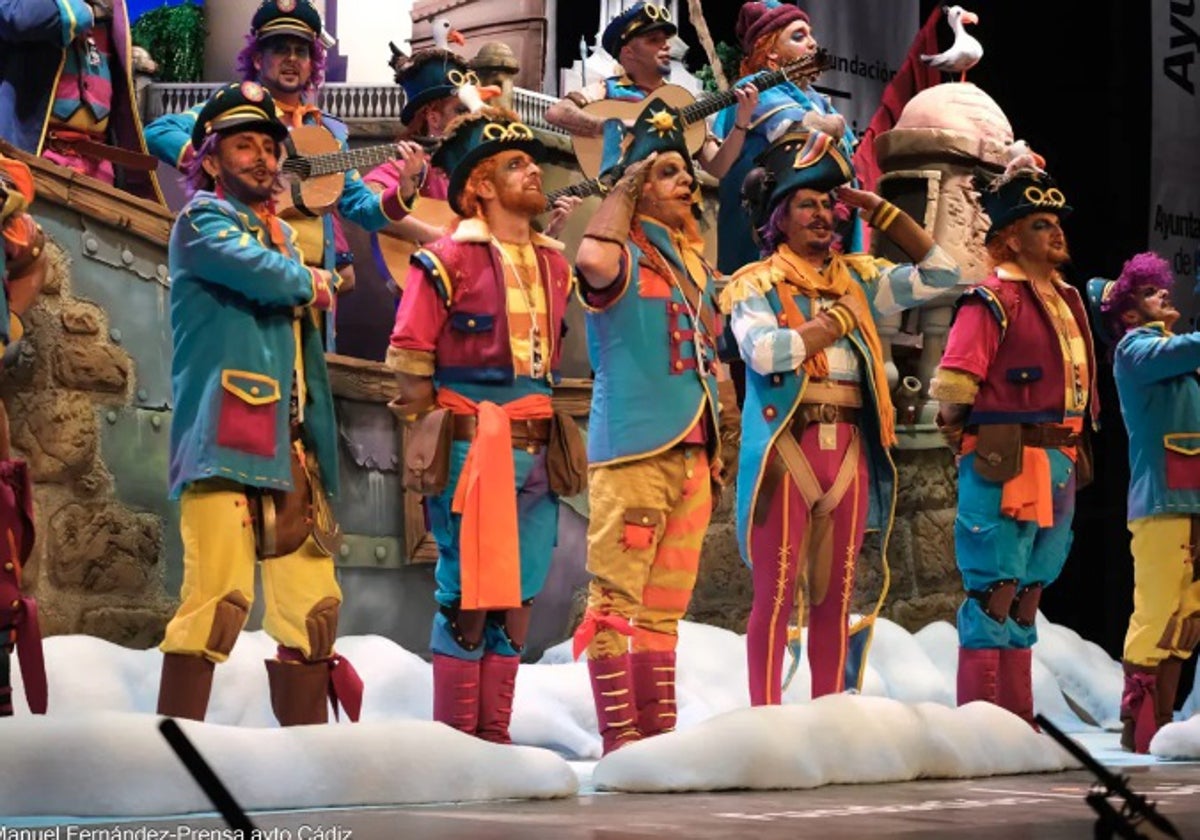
<point x="978" y="675"/>
<point x="616" y="702"/>
<point x="497" y="688"/>
<point x="456" y="692"/>
<point x="185" y="685"/>
<point x="654" y="690"/>
<point x="299" y="691"/>
<point x="1015" y="683"/>
<point x="1139" y="703"/>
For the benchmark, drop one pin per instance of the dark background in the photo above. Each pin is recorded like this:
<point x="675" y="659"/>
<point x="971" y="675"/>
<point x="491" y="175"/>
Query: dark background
<point x="1076" y="87"/>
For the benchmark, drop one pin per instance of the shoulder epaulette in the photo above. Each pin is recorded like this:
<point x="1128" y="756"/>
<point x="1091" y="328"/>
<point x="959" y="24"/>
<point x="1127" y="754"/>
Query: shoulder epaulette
<point x="435" y="270"/>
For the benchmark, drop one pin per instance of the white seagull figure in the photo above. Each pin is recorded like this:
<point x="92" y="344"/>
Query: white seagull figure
<point x="444" y="34"/>
<point x="965" y="52"/>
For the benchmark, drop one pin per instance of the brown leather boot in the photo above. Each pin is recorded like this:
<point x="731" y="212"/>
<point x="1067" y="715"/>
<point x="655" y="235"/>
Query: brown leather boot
<point x="616" y="703"/>
<point x="978" y="675"/>
<point x="299" y="691"/>
<point x="1014" y="685"/>
<point x="1166" y="687"/>
<point x="654" y="689"/>
<point x="1139" y="702"/>
<point x="185" y="685"/>
<point x="497" y="686"/>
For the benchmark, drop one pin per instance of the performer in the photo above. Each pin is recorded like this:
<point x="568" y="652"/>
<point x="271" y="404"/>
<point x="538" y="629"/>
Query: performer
<point x="1014" y="384"/>
<point x="1155" y="370"/>
<point x="284" y="53"/>
<point x="639" y="39"/>
<point x="23" y="268"/>
<point x="818" y="418"/>
<point x="67" y="92"/>
<point x="253" y="435"/>
<point x="438" y="85"/>
<point x="478" y="332"/>
<point x="772" y="34"/>
<point x="654" y="436"/>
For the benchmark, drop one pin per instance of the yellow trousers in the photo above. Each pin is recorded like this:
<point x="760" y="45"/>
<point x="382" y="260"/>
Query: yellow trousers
<point x="647" y="523"/>
<point x="1165" y="597"/>
<point x="300" y="589"/>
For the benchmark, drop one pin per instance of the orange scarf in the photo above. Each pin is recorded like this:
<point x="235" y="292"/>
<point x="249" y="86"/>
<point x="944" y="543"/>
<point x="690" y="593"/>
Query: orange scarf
<point x="489" y="545"/>
<point x="802" y="278"/>
<point x="293" y="115"/>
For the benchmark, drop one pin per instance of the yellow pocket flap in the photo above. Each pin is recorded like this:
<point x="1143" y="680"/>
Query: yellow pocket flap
<point x="250" y="388"/>
<point x="1185" y="443"/>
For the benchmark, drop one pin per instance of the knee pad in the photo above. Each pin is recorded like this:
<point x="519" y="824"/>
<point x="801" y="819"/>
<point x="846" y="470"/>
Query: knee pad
<point x="228" y="619"/>
<point x="1025" y="605"/>
<point x="507" y="630"/>
<point x="997" y="599"/>
<point x="1182" y="633"/>
<point x="321" y="624"/>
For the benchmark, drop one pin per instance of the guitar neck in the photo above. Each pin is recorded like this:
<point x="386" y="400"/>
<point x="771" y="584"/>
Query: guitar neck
<point x="809" y="66"/>
<point x="328" y="164"/>
<point x="583" y="189"/>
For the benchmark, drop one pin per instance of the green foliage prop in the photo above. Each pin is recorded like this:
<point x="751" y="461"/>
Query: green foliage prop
<point x="174" y="37"/>
<point x="730" y="56"/>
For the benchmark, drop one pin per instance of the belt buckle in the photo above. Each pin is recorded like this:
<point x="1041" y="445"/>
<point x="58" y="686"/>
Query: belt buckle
<point x="531" y="445"/>
<point x="827" y="413"/>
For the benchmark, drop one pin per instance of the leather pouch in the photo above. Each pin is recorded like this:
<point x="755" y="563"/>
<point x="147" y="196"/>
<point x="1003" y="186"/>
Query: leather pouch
<point x="998" y="451"/>
<point x="283" y="518"/>
<point x="566" y="457"/>
<point x="427" y="443"/>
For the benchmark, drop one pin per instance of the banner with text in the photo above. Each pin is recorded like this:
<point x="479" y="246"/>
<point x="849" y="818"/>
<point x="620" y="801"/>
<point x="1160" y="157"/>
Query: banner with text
<point x="867" y="50"/>
<point x="1175" y="145"/>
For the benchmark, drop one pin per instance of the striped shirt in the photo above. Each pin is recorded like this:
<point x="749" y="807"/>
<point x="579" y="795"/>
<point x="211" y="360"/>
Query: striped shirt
<point x="525" y="293"/>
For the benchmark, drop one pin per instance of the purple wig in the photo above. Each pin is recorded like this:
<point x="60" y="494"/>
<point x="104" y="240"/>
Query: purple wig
<point x="1141" y="270"/>
<point x="245" y="62"/>
<point x="772" y="234"/>
<point x="194" y="175"/>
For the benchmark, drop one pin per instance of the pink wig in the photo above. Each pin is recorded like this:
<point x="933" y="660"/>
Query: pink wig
<point x="194" y="175"/>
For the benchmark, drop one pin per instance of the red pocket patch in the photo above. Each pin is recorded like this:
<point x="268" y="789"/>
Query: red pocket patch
<point x="641" y="527"/>
<point x="1182" y="461"/>
<point x="246" y="421"/>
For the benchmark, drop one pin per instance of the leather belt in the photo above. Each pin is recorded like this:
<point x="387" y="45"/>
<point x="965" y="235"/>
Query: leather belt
<point x="808" y="413"/>
<point x="70" y="141"/>
<point x="1048" y="437"/>
<point x="832" y="392"/>
<point x="526" y="434"/>
<point x="1042" y="436"/>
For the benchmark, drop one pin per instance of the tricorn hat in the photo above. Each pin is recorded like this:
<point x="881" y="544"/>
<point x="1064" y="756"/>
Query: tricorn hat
<point x="428" y="76"/>
<point x="1025" y="192"/>
<point x="798" y="159"/>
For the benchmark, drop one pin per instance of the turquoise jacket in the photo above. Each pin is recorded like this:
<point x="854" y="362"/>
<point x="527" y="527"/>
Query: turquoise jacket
<point x="235" y="304"/>
<point x="647" y="394"/>
<point x="1159" y="387"/>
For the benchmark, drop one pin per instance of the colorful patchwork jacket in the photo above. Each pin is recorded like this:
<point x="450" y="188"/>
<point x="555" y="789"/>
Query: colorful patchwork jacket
<point x="452" y="323"/>
<point x="1159" y="386"/>
<point x="237" y="306"/>
<point x="647" y="395"/>
<point x="1003" y="336"/>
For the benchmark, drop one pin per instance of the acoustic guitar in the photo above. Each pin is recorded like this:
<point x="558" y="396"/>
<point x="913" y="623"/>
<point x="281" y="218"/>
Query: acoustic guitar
<point x="314" y="169"/>
<point x="395" y="251"/>
<point x="621" y="115"/>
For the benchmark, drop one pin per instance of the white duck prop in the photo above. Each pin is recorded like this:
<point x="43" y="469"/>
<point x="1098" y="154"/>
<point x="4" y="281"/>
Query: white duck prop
<point x="965" y="52"/>
<point x="444" y="34"/>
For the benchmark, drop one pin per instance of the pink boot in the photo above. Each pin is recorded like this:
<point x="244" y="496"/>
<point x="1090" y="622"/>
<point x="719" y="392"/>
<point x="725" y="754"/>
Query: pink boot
<point x="1015" y="688"/>
<point x="977" y="674"/>
<point x="654" y="689"/>
<point x="497" y="685"/>
<point x="616" y="707"/>
<point x="1139" y="702"/>
<point x="456" y="692"/>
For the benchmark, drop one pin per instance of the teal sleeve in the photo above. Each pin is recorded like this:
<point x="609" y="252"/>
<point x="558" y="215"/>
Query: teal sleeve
<point x="169" y="137"/>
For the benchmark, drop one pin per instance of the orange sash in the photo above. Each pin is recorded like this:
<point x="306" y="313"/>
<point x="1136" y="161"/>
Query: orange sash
<point x="489" y="546"/>
<point x="1029" y="496"/>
